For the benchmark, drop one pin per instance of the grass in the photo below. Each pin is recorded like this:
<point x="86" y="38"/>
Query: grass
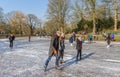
<point x="67" y="36"/>
<point x="97" y="38"/>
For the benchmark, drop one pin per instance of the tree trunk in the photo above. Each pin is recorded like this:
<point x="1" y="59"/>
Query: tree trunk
<point x="116" y="15"/>
<point x="20" y="30"/>
<point x="94" y="22"/>
<point x="31" y="33"/>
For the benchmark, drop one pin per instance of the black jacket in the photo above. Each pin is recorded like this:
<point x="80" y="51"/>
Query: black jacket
<point x="78" y="44"/>
<point x="54" y="45"/>
<point x="62" y="45"/>
<point x="108" y="39"/>
<point x="11" y="38"/>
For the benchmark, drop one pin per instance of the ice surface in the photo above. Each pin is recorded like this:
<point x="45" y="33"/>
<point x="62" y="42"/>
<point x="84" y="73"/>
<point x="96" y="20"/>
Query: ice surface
<point x="27" y="59"/>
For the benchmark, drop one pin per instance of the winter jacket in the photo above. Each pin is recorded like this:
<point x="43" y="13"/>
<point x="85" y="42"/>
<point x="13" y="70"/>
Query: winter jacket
<point x="78" y="44"/>
<point x="54" y="45"/>
<point x="74" y="36"/>
<point x="90" y="36"/>
<point x="112" y="35"/>
<point x="108" y="39"/>
<point x="71" y="39"/>
<point x="11" y="38"/>
<point x="62" y="45"/>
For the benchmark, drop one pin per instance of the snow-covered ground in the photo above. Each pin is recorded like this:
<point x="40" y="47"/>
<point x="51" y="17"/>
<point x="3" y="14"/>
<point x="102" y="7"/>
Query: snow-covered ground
<point x="27" y="59"/>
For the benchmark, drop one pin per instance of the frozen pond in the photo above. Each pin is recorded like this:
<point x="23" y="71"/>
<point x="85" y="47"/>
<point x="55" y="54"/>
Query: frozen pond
<point x="27" y="59"/>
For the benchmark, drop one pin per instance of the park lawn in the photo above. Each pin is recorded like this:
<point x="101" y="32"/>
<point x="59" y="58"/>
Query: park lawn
<point x="98" y="37"/>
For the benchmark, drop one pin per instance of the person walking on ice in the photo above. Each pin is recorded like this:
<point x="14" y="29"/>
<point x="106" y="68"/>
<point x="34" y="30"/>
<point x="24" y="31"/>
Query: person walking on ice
<point x="53" y="50"/>
<point x="108" y="40"/>
<point x="62" y="47"/>
<point x="11" y="39"/>
<point x="71" y="40"/>
<point x="90" y="38"/>
<point x="79" y="48"/>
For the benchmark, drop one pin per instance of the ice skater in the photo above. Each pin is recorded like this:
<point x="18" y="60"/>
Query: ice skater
<point x="108" y="40"/>
<point x="11" y="39"/>
<point x="53" y="50"/>
<point x="90" y="38"/>
<point x="62" y="47"/>
<point x="74" y="36"/>
<point x="71" y="40"/>
<point x="79" y="48"/>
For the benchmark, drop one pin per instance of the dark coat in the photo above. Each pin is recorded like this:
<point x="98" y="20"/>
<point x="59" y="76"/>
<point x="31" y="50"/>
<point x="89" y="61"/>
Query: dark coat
<point x="54" y="45"/>
<point x="11" y="38"/>
<point x="74" y="36"/>
<point x="78" y="44"/>
<point x="108" y="39"/>
<point x="71" y="39"/>
<point x="62" y="45"/>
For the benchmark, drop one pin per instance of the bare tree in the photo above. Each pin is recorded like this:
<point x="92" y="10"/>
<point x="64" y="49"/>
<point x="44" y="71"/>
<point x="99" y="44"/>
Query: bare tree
<point x="107" y="7"/>
<point x="16" y="22"/>
<point x="1" y="20"/>
<point x="78" y="9"/>
<point x="50" y="28"/>
<point x="58" y="10"/>
<point x="1" y="15"/>
<point x="92" y="6"/>
<point x="33" y="22"/>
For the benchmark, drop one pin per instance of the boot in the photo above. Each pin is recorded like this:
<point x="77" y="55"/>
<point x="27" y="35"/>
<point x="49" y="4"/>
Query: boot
<point x="45" y="67"/>
<point x="57" y="67"/>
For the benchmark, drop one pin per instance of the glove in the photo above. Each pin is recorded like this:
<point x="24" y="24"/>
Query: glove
<point x="55" y="52"/>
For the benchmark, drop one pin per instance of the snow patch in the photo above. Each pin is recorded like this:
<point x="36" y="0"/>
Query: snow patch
<point x="29" y="55"/>
<point x="13" y="51"/>
<point x="67" y="57"/>
<point x="111" y="68"/>
<point x="3" y="39"/>
<point x="28" y="69"/>
<point x="111" y="60"/>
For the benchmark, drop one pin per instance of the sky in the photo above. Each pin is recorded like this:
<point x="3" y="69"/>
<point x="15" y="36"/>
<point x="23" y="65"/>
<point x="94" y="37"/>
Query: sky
<point x="36" y="7"/>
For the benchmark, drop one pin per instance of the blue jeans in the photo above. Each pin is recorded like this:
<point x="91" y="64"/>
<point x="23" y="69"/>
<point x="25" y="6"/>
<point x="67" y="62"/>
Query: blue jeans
<point x="49" y="58"/>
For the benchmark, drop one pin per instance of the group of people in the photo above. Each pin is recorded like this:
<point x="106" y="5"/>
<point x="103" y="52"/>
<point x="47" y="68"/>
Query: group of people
<point x="57" y="47"/>
<point x="112" y="35"/>
<point x="73" y="38"/>
<point x="108" y="37"/>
